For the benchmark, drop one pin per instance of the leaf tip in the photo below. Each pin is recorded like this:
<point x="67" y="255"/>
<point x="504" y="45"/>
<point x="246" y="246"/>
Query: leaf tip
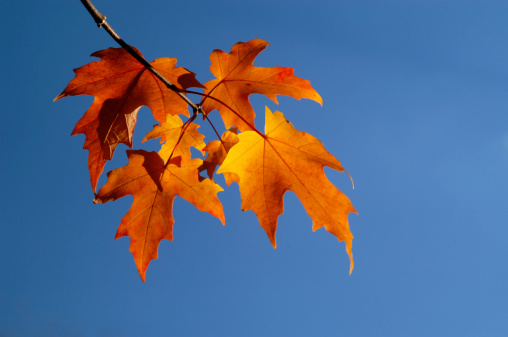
<point x="273" y="242"/>
<point x="59" y="96"/>
<point x="350" y="253"/>
<point x="142" y="270"/>
<point x="318" y="98"/>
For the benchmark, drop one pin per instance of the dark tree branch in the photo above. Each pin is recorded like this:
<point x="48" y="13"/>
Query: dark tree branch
<point x="100" y="19"/>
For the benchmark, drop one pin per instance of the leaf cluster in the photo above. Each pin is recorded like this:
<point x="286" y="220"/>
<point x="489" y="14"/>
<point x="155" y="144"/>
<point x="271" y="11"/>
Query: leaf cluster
<point x="264" y="164"/>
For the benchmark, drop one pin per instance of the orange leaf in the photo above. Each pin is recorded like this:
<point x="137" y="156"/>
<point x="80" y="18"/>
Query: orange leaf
<point x="237" y="78"/>
<point x="266" y="166"/>
<point x="217" y="151"/>
<point x="121" y="85"/>
<point x="154" y="187"/>
<point x="172" y="133"/>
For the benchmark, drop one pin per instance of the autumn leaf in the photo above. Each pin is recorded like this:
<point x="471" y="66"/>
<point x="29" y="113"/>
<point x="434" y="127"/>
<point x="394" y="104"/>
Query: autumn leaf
<point x="154" y="186"/>
<point x="237" y="78"/>
<point x="217" y="151"/>
<point x="285" y="159"/>
<point x="121" y="85"/>
<point x="177" y="137"/>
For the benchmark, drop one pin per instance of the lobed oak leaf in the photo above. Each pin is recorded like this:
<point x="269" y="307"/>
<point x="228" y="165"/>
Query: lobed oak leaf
<point x="237" y="78"/>
<point x="177" y="137"/>
<point x="217" y="151"/>
<point x="154" y="186"/>
<point x="121" y="85"/>
<point x="266" y="166"/>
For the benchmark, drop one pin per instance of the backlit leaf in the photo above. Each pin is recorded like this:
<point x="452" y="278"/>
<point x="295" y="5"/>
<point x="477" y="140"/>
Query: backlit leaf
<point x="154" y="186"/>
<point x="237" y="78"/>
<point x="285" y="159"/>
<point x="121" y="85"/>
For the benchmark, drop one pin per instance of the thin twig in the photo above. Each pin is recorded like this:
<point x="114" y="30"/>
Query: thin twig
<point x="215" y="130"/>
<point x="100" y="19"/>
<point x="205" y="115"/>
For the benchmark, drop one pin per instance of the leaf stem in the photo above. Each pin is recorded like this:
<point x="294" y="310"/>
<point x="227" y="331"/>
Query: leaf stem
<point x="100" y="19"/>
<point x="215" y="130"/>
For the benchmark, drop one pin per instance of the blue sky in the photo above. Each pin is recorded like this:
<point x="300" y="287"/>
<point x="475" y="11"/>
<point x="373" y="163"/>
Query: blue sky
<point x="415" y="107"/>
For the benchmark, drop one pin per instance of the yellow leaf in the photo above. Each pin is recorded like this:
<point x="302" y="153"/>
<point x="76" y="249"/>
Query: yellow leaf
<point x="285" y="159"/>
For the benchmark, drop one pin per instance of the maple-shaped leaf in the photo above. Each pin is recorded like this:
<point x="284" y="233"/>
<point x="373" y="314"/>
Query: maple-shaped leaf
<point x="266" y="166"/>
<point x="177" y="137"/>
<point x="237" y="78"/>
<point x="154" y="186"/>
<point x="217" y="151"/>
<point x="121" y="85"/>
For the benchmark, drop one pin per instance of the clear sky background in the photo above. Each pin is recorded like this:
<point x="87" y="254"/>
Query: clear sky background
<point x="415" y="107"/>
